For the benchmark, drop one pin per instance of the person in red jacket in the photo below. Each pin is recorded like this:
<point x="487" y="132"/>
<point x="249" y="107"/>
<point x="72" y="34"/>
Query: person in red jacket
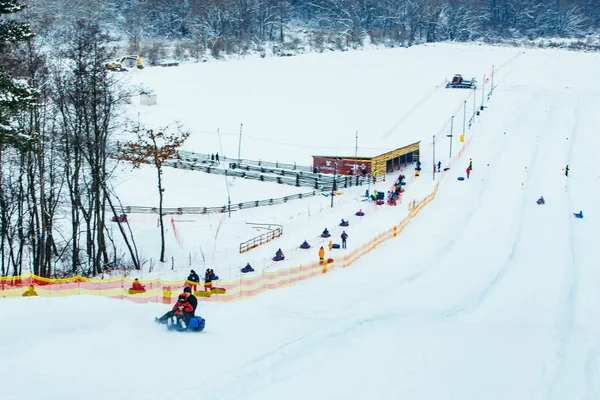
<point x="138" y="286"/>
<point x="183" y="310"/>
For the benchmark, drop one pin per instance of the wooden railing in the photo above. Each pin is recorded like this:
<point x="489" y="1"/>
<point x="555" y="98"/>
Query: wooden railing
<point x="261" y="239"/>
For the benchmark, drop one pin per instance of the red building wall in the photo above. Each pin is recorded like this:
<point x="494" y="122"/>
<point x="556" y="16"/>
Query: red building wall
<point x="344" y="165"/>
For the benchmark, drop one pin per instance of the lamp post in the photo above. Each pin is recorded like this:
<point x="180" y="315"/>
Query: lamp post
<point x="451" y="135"/>
<point x="333" y="186"/>
<point x="240" y="147"/>
<point x="434" y="157"/>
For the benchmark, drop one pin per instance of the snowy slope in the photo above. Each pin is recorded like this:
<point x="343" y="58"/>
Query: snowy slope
<point x="484" y="295"/>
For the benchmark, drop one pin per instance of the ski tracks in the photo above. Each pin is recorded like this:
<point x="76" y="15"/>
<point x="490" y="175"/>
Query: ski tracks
<point x="479" y="297"/>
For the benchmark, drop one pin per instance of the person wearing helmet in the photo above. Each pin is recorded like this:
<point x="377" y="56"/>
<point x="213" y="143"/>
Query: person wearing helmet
<point x="191" y="299"/>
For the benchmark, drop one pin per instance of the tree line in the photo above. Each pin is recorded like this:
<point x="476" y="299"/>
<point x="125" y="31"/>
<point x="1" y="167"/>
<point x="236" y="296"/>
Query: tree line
<point x="212" y="27"/>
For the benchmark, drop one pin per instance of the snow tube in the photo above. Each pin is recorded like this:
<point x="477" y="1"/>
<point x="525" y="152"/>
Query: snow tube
<point x="345" y="223"/>
<point x="461" y="178"/>
<point x="278" y="258"/>
<point x="335" y="246"/>
<point x="197" y="324"/>
<point x="325" y="235"/>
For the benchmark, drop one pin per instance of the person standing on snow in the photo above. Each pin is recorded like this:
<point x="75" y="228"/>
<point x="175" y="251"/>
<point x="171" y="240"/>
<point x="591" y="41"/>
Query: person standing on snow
<point x="567" y="170"/>
<point x="321" y="254"/>
<point x="439" y="166"/>
<point x="344" y="236"/>
<point x="471" y="164"/>
<point x="193" y="279"/>
<point x="468" y="172"/>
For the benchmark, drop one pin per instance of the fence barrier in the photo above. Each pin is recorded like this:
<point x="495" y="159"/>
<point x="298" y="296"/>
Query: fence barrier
<point x="261" y="239"/>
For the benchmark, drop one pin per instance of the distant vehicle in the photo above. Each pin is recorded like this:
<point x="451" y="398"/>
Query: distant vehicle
<point x="458" y="82"/>
<point x="119" y="65"/>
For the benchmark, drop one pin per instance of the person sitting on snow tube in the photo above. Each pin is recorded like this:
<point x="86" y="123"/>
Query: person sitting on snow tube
<point x="247" y="268"/>
<point x="181" y="311"/>
<point x="136" y="287"/>
<point x="344" y="223"/>
<point x="191" y="299"/>
<point x="578" y="215"/>
<point x="29" y="292"/>
<point x="541" y="200"/>
<point x="279" y="256"/>
<point x="305" y="245"/>
<point x="360" y="213"/>
<point x="325" y="233"/>
<point x="213" y="276"/>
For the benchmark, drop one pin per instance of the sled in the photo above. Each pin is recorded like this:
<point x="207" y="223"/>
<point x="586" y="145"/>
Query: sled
<point x="218" y="290"/>
<point x="197" y="324"/>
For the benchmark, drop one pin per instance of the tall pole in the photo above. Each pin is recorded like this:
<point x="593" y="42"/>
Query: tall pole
<point x="464" y="119"/>
<point x="482" y="92"/>
<point x="451" y="135"/>
<point x="492" y="89"/>
<point x="369" y="181"/>
<point x="356" y="155"/>
<point x="333" y="185"/>
<point x="240" y="147"/>
<point x="474" y="104"/>
<point x="434" y="157"/>
<point x="226" y="182"/>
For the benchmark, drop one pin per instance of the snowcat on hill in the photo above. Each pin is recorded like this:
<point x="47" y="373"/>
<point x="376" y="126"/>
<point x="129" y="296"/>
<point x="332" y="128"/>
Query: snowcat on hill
<point x="458" y="82"/>
<point x="129" y="61"/>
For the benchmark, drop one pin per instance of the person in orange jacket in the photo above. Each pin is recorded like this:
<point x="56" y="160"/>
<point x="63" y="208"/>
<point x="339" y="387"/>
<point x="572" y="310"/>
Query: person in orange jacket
<point x="321" y="254"/>
<point x="330" y="245"/>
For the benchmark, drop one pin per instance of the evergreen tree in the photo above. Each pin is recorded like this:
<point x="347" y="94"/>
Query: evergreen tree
<point x="15" y="95"/>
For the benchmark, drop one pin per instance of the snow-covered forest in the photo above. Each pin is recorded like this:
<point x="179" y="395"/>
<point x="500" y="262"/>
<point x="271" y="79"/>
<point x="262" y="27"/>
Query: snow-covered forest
<point x="200" y="28"/>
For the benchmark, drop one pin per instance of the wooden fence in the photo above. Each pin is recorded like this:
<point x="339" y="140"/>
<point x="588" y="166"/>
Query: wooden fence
<point x="261" y="239"/>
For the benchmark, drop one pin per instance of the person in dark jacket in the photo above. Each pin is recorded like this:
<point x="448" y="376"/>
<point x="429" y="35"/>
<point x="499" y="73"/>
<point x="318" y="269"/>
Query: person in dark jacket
<point x="344" y="236"/>
<point x="191" y="299"/>
<point x="193" y="279"/>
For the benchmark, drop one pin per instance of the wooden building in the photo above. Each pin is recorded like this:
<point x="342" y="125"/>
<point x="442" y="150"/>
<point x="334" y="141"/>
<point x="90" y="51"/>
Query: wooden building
<point x="387" y="162"/>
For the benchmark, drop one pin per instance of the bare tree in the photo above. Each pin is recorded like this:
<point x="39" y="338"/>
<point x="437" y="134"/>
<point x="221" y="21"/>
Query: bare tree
<point x="154" y="149"/>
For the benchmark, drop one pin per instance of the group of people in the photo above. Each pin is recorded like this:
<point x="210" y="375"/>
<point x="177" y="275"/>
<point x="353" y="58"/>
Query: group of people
<point x="193" y="278"/>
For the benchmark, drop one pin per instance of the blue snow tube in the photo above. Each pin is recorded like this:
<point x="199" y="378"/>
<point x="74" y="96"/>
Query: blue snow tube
<point x="197" y="324"/>
<point x="461" y="178"/>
